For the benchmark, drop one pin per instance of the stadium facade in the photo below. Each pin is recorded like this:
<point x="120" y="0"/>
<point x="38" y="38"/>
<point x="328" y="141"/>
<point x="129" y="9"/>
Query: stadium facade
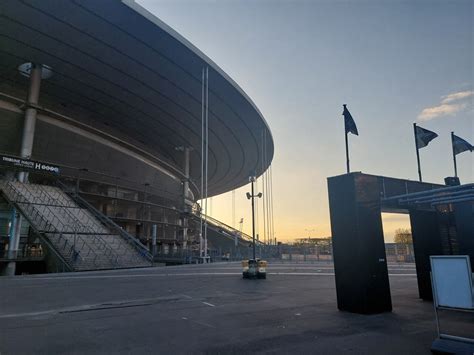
<point x="101" y="136"/>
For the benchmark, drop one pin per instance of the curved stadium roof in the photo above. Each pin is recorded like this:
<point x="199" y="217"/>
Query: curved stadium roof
<point x="119" y="69"/>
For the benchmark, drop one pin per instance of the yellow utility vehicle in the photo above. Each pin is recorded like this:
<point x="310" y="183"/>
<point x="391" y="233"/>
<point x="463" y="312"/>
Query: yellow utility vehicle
<point x="254" y="269"/>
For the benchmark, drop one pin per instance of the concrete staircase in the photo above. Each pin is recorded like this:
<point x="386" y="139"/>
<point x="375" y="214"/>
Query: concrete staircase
<point x="81" y="236"/>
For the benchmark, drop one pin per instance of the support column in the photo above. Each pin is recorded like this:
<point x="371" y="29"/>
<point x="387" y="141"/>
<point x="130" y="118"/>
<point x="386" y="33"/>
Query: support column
<point x="187" y="150"/>
<point x="27" y="139"/>
<point x="29" y="124"/>
<point x="186" y="196"/>
<point x="426" y="241"/>
<point x="153" y="240"/>
<point x="360" y="265"/>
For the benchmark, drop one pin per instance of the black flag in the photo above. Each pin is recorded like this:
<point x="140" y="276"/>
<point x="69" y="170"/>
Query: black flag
<point x="423" y="136"/>
<point x="349" y="122"/>
<point x="460" y="145"/>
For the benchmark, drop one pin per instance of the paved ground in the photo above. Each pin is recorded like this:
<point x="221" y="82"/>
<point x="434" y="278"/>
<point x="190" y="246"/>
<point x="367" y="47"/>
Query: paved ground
<point x="206" y="309"/>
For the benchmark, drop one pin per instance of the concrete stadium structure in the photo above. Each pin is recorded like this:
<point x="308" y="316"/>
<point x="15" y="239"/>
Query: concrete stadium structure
<point x="101" y="122"/>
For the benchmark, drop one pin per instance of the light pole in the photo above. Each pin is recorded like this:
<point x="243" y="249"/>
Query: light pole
<point x="252" y="197"/>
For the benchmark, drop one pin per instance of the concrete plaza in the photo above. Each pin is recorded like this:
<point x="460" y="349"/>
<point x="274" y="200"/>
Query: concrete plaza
<point x="206" y="309"/>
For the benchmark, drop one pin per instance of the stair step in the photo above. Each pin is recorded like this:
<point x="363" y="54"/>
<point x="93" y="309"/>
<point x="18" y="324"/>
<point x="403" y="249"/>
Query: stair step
<point x="74" y="232"/>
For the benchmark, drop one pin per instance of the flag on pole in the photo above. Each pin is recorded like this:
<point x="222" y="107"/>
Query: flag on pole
<point x="349" y="122"/>
<point x="423" y="136"/>
<point x="350" y="127"/>
<point x="460" y="145"/>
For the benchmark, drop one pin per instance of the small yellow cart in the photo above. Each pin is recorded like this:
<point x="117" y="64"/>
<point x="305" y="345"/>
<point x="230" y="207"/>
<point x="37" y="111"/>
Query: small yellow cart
<point x="254" y="269"/>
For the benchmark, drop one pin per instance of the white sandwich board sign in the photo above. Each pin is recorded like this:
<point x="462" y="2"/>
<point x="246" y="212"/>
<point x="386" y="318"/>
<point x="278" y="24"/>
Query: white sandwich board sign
<point x="452" y="281"/>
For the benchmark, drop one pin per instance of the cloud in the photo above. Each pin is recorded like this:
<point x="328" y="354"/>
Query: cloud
<point x="449" y="105"/>
<point x="456" y="96"/>
<point x="441" y="110"/>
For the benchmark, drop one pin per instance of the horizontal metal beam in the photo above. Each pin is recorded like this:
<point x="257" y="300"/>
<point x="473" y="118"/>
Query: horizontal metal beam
<point x="440" y="196"/>
<point x="428" y="192"/>
<point x="447" y="201"/>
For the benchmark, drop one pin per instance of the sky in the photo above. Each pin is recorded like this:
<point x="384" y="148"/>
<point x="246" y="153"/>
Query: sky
<point x="392" y="62"/>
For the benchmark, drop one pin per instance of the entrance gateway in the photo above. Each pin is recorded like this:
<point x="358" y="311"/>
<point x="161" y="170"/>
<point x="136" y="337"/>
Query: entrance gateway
<point x="442" y="223"/>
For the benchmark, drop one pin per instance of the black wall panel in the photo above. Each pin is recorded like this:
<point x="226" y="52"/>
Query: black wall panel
<point x="362" y="283"/>
<point x="426" y="242"/>
<point x="464" y="216"/>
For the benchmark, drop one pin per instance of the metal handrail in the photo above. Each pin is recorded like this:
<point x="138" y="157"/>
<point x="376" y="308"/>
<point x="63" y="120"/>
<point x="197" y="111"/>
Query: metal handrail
<point x="46" y="197"/>
<point x="21" y="254"/>
<point x="107" y="222"/>
<point x="112" y="225"/>
<point x="77" y="224"/>
<point x="82" y="228"/>
<point x="51" y="222"/>
<point x="42" y="235"/>
<point x="224" y="226"/>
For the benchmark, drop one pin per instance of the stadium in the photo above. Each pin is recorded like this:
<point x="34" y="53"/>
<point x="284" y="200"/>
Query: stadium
<point x="112" y="128"/>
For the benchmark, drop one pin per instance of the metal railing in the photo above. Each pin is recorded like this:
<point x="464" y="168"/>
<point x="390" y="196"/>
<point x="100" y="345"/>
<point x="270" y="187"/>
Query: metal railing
<point x="89" y="213"/>
<point x="109" y="224"/>
<point x="44" y="222"/>
<point x="214" y="223"/>
<point x="56" y="219"/>
<point x="44" y="213"/>
<point x="185" y="256"/>
<point x="82" y="221"/>
<point x="22" y="254"/>
<point x="9" y="193"/>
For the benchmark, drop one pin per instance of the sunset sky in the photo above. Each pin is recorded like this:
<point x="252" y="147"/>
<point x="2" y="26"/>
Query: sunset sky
<point x="392" y="62"/>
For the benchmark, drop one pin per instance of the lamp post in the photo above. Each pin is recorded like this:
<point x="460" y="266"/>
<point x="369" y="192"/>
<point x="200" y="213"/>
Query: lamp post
<point x="252" y="197"/>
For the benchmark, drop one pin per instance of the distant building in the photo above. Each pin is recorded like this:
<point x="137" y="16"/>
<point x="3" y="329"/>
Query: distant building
<point x="313" y="241"/>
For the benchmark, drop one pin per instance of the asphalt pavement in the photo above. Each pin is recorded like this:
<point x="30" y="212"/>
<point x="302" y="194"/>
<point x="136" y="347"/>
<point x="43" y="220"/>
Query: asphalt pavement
<point x="206" y="309"/>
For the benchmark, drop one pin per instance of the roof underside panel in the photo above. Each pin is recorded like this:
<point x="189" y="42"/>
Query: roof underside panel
<point x="133" y="77"/>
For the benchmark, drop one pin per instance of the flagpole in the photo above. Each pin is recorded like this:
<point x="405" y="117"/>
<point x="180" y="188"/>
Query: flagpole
<point x="417" y="153"/>
<point x="347" y="154"/>
<point x="454" y="155"/>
